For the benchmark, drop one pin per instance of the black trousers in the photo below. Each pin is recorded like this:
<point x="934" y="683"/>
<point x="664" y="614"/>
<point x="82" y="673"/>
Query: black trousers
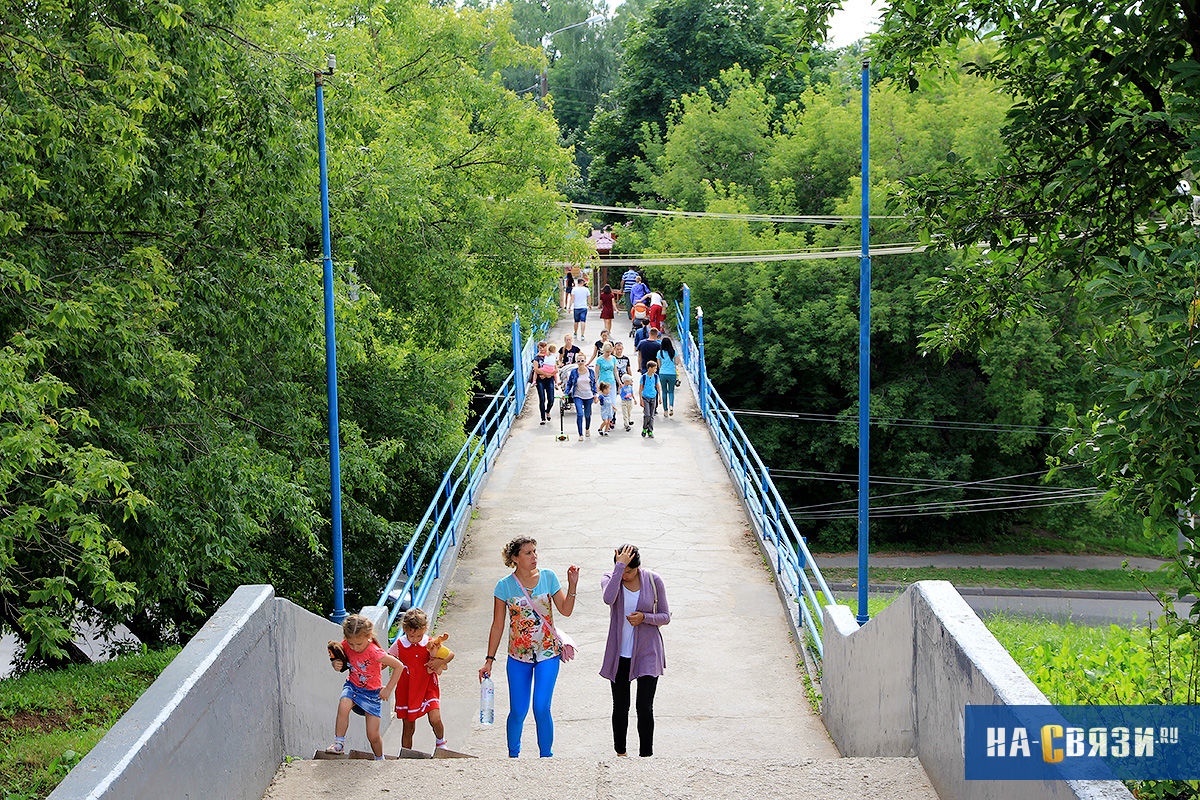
<point x="645" y="709"/>
<point x="545" y="390"/>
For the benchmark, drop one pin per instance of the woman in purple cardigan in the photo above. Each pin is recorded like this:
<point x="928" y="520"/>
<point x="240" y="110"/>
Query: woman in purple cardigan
<point x="638" y="603"/>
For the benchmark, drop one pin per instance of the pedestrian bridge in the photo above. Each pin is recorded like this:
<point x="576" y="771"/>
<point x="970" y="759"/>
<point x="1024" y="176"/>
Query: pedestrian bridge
<point x="247" y="703"/>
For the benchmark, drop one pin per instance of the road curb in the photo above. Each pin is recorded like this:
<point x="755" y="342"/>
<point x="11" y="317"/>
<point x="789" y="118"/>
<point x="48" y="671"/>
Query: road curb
<point x="1005" y="591"/>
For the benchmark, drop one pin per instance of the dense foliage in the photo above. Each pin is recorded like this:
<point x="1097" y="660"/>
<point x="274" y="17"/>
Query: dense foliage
<point x="1079" y="665"/>
<point x="673" y="48"/>
<point x="782" y="336"/>
<point x="163" y="401"/>
<point x="580" y="64"/>
<point x="1085" y="202"/>
<point x="1090" y="216"/>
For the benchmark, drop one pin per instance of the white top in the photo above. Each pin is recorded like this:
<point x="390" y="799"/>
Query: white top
<point x="656" y="299"/>
<point x="581" y="296"/>
<point x="631" y="599"/>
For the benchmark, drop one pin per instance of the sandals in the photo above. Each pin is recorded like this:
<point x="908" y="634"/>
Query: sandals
<point x="336" y="747"/>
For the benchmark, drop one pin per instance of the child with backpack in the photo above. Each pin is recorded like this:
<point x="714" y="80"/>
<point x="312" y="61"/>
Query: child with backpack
<point x="649" y="398"/>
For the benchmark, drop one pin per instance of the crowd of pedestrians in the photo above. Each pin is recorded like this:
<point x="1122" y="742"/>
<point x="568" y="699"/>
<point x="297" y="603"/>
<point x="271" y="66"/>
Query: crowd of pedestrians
<point x="604" y="381"/>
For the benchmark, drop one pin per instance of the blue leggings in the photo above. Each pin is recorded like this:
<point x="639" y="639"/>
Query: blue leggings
<point x="667" y="382"/>
<point x="523" y="680"/>
<point x="583" y="413"/>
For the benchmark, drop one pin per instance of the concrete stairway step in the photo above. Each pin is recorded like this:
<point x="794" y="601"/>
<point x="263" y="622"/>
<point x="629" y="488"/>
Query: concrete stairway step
<point x="735" y="778"/>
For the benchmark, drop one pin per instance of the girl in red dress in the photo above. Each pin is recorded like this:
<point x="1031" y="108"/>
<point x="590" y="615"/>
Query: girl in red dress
<point x="417" y="693"/>
<point x="607" y="308"/>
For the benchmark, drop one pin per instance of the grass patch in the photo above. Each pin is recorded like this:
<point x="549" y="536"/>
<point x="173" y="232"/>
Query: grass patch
<point x="875" y="604"/>
<point x="1103" y="579"/>
<point x="1076" y="664"/>
<point x="1030" y="540"/>
<point x="49" y="720"/>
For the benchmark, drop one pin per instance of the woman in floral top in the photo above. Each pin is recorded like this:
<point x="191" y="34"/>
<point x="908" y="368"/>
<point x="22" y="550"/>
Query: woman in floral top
<point x="533" y="650"/>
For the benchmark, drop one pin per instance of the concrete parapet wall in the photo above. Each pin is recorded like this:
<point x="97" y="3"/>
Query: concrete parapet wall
<point x="253" y="686"/>
<point x="899" y="685"/>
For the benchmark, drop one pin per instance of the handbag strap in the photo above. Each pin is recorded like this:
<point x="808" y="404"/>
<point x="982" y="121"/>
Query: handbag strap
<point x="536" y="613"/>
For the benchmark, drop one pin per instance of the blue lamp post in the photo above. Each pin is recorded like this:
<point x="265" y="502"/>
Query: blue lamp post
<point x="686" y="322"/>
<point x="335" y="466"/>
<point x="519" y="369"/>
<point x="864" y="357"/>
<point x="701" y="376"/>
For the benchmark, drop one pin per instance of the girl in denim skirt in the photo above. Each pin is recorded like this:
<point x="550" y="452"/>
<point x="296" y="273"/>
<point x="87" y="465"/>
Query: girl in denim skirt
<point x="362" y="693"/>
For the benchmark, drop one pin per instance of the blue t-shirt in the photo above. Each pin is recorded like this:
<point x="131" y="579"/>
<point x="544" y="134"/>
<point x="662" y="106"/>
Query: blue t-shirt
<point x="666" y="364"/>
<point x="606" y="370"/>
<point x="649" y="386"/>
<point x="629" y="279"/>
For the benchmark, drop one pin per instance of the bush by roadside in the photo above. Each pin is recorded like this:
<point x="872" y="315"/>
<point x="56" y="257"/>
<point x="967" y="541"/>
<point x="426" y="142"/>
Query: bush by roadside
<point x="1076" y="664"/>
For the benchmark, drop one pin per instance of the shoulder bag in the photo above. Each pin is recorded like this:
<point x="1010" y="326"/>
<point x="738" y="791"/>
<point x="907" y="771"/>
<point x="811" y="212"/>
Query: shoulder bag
<point x="565" y="643"/>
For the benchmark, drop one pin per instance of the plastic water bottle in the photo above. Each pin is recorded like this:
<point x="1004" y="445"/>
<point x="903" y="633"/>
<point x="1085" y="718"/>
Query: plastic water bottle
<point x="487" y="701"/>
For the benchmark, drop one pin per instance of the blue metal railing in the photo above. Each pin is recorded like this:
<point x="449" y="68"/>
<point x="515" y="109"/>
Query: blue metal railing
<point x="793" y="563"/>
<point x="438" y="533"/>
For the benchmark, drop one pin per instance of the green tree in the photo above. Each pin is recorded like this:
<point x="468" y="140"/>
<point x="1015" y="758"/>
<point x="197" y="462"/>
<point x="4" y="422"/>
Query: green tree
<point x="580" y="63"/>
<point x="725" y="140"/>
<point x="160" y="293"/>
<point x="674" y="48"/>
<point x="1081" y="213"/>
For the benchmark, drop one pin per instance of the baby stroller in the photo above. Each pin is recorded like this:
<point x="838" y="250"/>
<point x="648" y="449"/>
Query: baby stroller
<point x="640" y="314"/>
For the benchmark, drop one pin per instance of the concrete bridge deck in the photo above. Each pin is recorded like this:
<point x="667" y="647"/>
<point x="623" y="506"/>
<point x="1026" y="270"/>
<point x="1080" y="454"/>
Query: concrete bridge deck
<point x="733" y="685"/>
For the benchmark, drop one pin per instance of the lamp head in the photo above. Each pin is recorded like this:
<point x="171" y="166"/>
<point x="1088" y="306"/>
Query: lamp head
<point x="332" y="62"/>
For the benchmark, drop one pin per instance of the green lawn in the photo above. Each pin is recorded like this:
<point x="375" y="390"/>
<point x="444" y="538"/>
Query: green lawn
<point x="49" y="720"/>
<point x="1118" y="540"/>
<point x="1105" y="579"/>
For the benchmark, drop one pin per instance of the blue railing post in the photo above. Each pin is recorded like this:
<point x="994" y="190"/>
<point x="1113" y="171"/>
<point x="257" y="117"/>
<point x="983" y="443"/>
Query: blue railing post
<point x="773" y="514"/>
<point x="335" y="466"/>
<point x="702" y="377"/>
<point x="685" y="334"/>
<point x="864" y="355"/>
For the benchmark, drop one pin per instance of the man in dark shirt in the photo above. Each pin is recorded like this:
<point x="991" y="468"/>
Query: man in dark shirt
<point x="648" y="350"/>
